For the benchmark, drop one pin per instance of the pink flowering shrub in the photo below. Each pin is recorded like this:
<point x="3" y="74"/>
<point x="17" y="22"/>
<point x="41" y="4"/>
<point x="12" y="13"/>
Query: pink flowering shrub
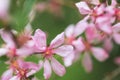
<point x="94" y="35"/>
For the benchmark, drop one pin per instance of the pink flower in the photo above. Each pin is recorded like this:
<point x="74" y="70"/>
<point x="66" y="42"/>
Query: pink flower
<point x="71" y="37"/>
<point x="10" y="48"/>
<point x="56" y="47"/>
<point x="99" y="53"/>
<point x="22" y="70"/>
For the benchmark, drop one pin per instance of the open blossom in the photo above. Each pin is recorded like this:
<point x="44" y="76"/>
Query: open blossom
<point x="73" y="37"/>
<point x="10" y="48"/>
<point x="20" y="70"/>
<point x="56" y="47"/>
<point x="99" y="53"/>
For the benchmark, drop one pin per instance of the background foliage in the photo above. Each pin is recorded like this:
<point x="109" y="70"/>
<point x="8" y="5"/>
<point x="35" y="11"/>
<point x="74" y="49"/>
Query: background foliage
<point x="53" y="25"/>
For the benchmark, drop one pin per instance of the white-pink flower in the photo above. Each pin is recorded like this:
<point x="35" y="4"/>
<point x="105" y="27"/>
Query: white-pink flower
<point x="56" y="47"/>
<point x="99" y="53"/>
<point x="10" y="47"/>
<point x="21" y="69"/>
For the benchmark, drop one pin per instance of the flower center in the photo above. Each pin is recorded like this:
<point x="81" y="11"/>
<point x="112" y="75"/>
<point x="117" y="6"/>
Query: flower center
<point x="48" y="51"/>
<point x="87" y="45"/>
<point x="69" y="40"/>
<point x="12" y="52"/>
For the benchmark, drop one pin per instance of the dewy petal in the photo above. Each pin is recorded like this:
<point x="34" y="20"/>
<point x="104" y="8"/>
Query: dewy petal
<point x="47" y="70"/>
<point x="87" y="62"/>
<point x="99" y="53"/>
<point x="83" y="7"/>
<point x="63" y="50"/>
<point x="68" y="60"/>
<point x="7" y="74"/>
<point x="80" y="27"/>
<point x="57" y="67"/>
<point x="3" y="51"/>
<point x="15" y="78"/>
<point x="7" y="37"/>
<point x="40" y="39"/>
<point x="69" y="30"/>
<point x="57" y="41"/>
<point x="79" y="44"/>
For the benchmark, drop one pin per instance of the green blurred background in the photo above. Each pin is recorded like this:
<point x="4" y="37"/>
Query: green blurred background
<point x="54" y="24"/>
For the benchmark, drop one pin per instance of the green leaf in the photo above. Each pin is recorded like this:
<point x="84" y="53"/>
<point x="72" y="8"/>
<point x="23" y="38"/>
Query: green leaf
<point x="20" y="16"/>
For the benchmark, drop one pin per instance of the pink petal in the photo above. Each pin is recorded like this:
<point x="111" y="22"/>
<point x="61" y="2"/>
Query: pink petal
<point x="24" y="51"/>
<point x="79" y="46"/>
<point x="47" y="70"/>
<point x="106" y="28"/>
<point x="7" y="74"/>
<point x="8" y="38"/>
<point x="15" y="78"/>
<point x="95" y="2"/>
<point x="69" y="30"/>
<point x="57" y="41"/>
<point x="3" y="51"/>
<point x="63" y="50"/>
<point x="87" y="62"/>
<point x="57" y="67"/>
<point x="108" y="45"/>
<point x="4" y="6"/>
<point x="99" y="53"/>
<point x="92" y="34"/>
<point x="83" y="7"/>
<point x="80" y="27"/>
<point x="116" y="37"/>
<point x="40" y="39"/>
<point x="114" y="3"/>
<point x="68" y="60"/>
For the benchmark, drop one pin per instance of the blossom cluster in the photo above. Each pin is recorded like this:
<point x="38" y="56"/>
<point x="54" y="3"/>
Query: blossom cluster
<point x="93" y="35"/>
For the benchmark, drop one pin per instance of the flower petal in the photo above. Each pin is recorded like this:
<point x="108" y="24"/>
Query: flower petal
<point x="57" y="67"/>
<point x="7" y="74"/>
<point x="79" y="44"/>
<point x="40" y="39"/>
<point x="63" y="50"/>
<point x="69" y="31"/>
<point x="80" y="27"/>
<point x="15" y="78"/>
<point x="99" y="53"/>
<point x="47" y="70"/>
<point x="68" y="60"/>
<point x="83" y="7"/>
<point x="95" y="2"/>
<point x="3" y="51"/>
<point x="116" y="37"/>
<point x="8" y="38"/>
<point x="57" y="41"/>
<point x="87" y="62"/>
